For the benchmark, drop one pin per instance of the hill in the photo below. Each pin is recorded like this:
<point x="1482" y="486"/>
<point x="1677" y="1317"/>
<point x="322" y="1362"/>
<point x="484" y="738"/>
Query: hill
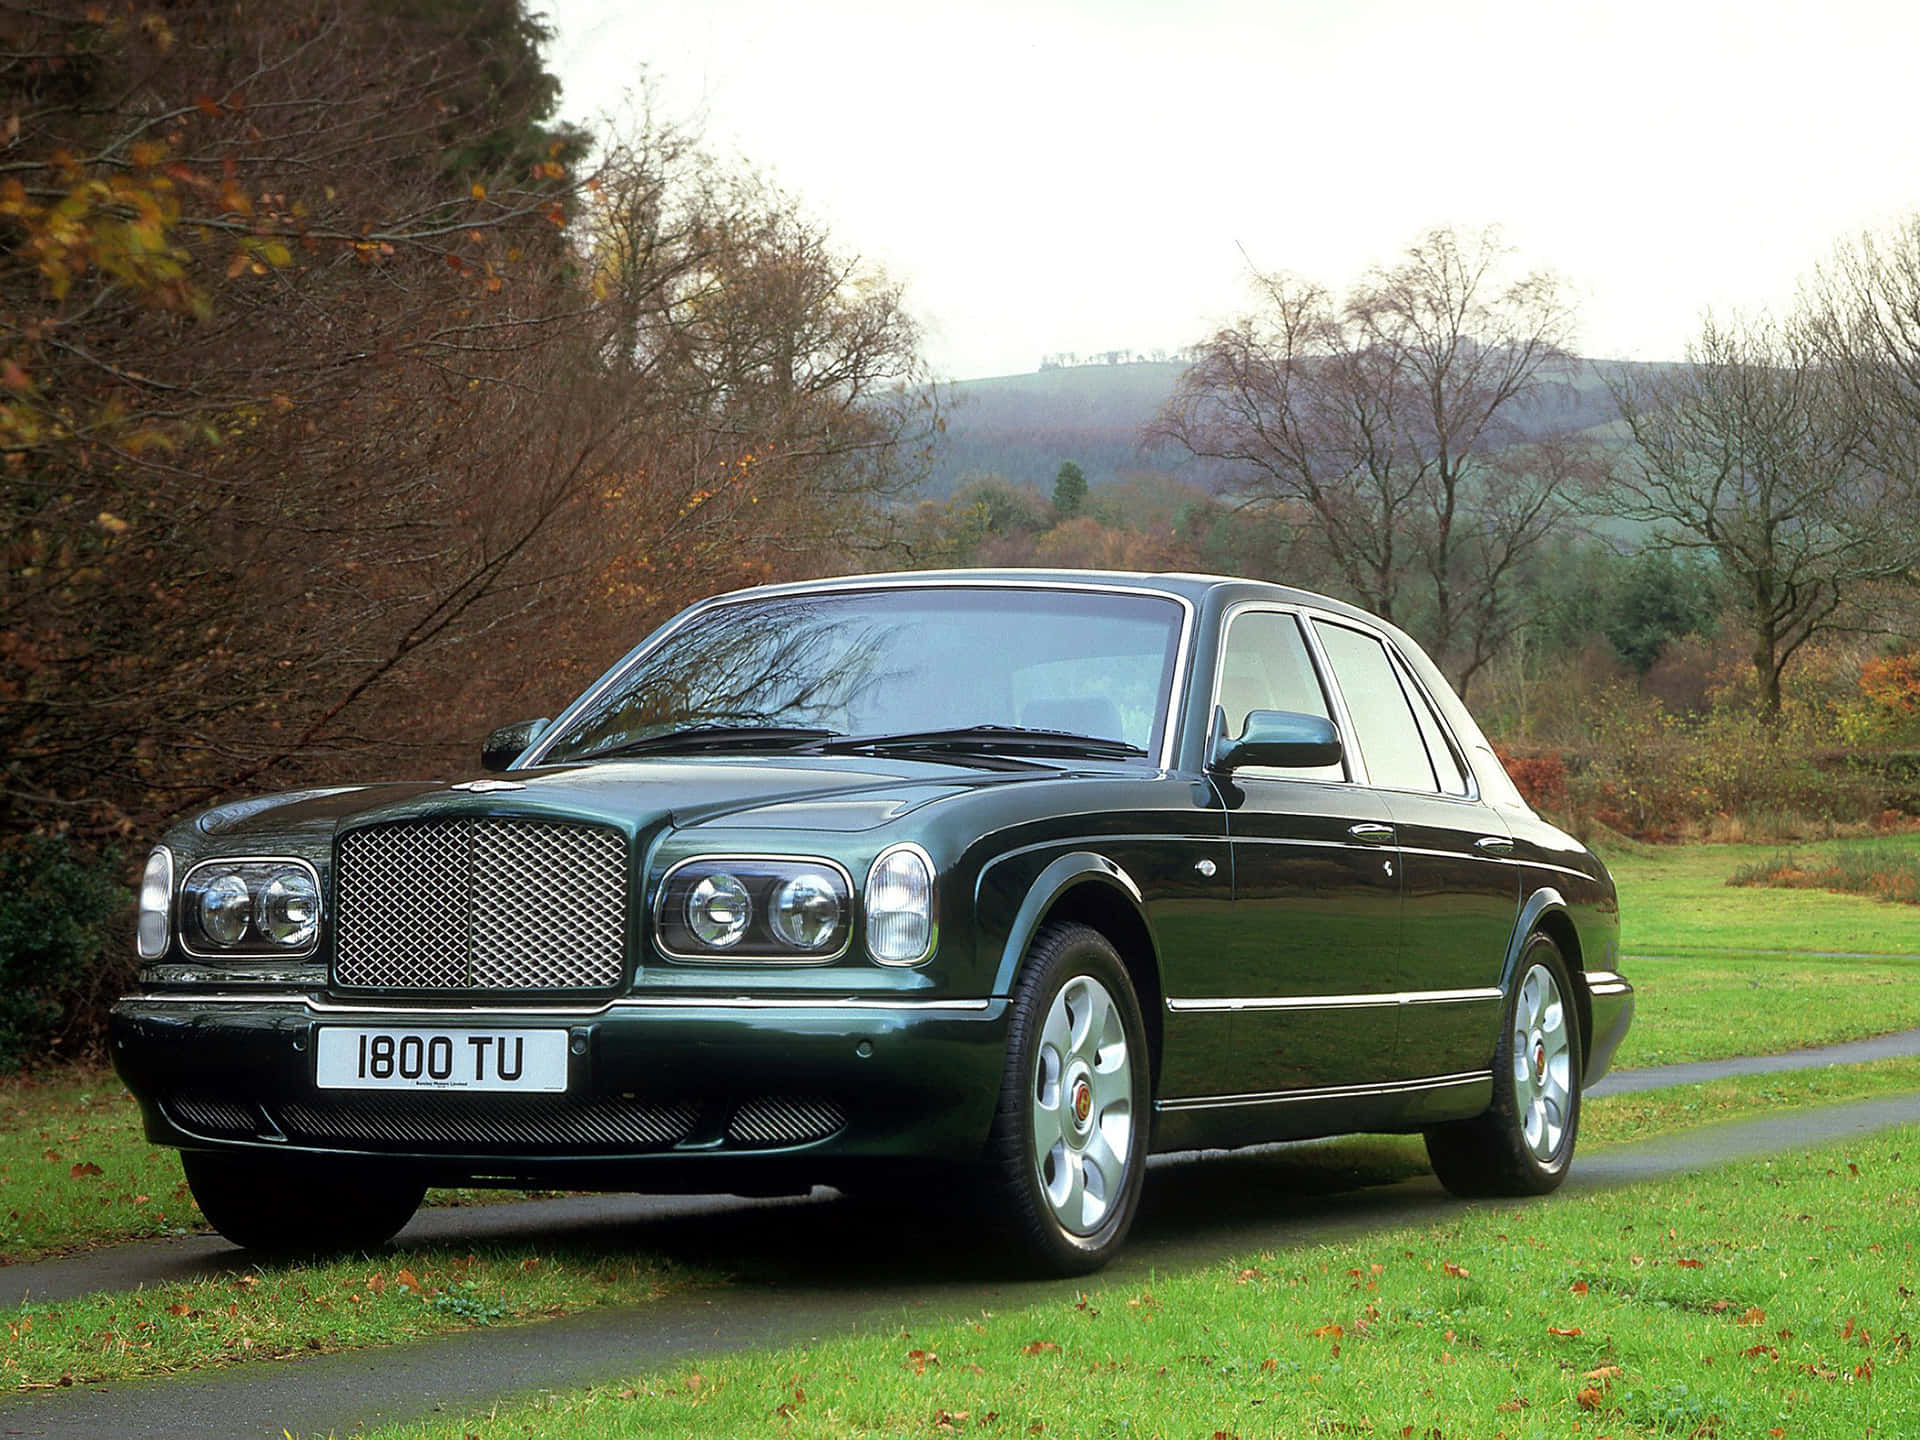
<point x="1023" y="426"/>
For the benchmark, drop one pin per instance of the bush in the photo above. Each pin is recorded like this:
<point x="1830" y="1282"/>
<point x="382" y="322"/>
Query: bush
<point x="65" y="923"/>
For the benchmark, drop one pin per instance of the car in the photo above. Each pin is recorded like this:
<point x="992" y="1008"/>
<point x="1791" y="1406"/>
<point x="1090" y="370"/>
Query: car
<point x="980" y="884"/>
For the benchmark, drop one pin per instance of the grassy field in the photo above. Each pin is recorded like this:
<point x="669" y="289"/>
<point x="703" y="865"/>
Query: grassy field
<point x="1756" y="1300"/>
<point x="1723" y="970"/>
<point x="271" y="1312"/>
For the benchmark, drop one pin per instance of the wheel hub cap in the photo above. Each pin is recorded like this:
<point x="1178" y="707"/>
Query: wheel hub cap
<point x="1082" y="1105"/>
<point x="1543" y="1077"/>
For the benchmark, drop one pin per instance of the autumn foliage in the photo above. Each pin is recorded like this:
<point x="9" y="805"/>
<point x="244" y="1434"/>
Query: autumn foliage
<point x="344" y="414"/>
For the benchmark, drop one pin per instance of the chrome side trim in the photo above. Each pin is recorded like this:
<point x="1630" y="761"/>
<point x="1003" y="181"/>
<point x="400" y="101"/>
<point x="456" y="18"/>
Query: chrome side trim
<point x="949" y="580"/>
<point x="1480" y="995"/>
<point x="1607" y="982"/>
<point x="572" y="1012"/>
<point x="1331" y="1092"/>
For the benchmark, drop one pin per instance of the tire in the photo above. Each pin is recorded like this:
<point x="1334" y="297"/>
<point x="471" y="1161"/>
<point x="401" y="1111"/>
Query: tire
<point x="1523" y="1143"/>
<point x="289" y="1205"/>
<point x="1068" y="1148"/>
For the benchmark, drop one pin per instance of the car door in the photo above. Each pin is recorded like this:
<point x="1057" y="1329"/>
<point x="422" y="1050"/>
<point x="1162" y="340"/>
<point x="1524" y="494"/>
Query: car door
<point x="1460" y="891"/>
<point x="1312" y="965"/>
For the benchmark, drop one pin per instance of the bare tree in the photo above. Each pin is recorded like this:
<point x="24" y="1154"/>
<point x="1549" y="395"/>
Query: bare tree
<point x="1756" y="453"/>
<point x="1386" y="419"/>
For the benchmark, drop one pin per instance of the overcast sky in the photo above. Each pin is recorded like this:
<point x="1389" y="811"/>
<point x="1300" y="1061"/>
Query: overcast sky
<point x="1082" y="175"/>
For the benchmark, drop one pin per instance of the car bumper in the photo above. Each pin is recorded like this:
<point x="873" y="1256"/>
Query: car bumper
<point x="698" y="1088"/>
<point x="1610" y="1002"/>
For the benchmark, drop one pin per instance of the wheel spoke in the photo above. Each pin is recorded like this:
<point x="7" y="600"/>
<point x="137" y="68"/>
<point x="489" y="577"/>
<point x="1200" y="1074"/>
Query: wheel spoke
<point x="1081" y="1162"/>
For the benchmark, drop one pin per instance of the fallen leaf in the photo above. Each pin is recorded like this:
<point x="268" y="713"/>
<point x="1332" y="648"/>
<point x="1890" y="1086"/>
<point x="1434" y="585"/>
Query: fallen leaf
<point x="1589" y="1398"/>
<point x="1459" y="1272"/>
<point x="1690" y="1264"/>
<point x="1605" y="1373"/>
<point x="1038" y="1347"/>
<point x="1754" y="1316"/>
<point x="1565" y="1334"/>
<point x="1328" y="1332"/>
<point x="84" y="1169"/>
<point x="1579" y="1287"/>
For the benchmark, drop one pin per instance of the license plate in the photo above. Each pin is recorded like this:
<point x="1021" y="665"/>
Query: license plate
<point x="349" y="1057"/>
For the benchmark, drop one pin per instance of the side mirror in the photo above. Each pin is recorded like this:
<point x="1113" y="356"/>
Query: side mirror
<point x="1282" y="738"/>
<point x="509" y="742"/>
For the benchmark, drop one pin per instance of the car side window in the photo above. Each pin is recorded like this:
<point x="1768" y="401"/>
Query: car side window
<point x="1446" y="764"/>
<point x="1383" y="721"/>
<point x="1266" y="666"/>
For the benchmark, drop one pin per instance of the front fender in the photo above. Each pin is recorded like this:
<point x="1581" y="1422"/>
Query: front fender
<point x="1076" y="867"/>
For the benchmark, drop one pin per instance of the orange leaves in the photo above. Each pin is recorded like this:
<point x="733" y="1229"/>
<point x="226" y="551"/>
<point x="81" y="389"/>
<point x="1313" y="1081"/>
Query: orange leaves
<point x="1039" y="1347"/>
<point x="83" y="1170"/>
<point x="918" y="1360"/>
<point x="1565" y="1332"/>
<point x="1458" y="1272"/>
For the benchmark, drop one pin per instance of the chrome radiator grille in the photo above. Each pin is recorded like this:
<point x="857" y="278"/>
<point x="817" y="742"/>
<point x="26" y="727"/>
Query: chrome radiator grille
<point x="480" y="905"/>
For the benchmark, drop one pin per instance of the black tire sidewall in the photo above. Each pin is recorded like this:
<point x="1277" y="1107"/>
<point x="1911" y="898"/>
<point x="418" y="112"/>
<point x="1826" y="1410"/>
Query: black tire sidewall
<point x="1059" y="955"/>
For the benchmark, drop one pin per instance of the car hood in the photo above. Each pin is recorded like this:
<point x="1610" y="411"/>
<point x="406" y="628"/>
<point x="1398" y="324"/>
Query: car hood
<point x="778" y="791"/>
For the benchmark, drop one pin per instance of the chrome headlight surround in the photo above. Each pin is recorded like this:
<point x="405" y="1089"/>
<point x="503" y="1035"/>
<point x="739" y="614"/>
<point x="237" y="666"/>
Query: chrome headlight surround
<point x="766" y="881"/>
<point x="899" y="901"/>
<point x="291" y="883"/>
<point x="154" y="928"/>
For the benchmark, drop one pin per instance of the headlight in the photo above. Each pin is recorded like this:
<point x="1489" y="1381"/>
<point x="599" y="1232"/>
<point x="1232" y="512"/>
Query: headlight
<point x="900" y="906"/>
<point x="740" y="908"/>
<point x="250" y="907"/>
<point x="718" y="910"/>
<point x="226" y="909"/>
<point x="806" y="911"/>
<point x="289" y="910"/>
<point x="156" y="900"/>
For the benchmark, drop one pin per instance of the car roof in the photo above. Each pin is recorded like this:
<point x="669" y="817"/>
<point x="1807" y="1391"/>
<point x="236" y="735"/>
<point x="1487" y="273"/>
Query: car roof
<point x="1193" y="587"/>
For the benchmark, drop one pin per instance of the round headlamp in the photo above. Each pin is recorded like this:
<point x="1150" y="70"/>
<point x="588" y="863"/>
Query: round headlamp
<point x="806" y="911"/>
<point x="718" y="909"/>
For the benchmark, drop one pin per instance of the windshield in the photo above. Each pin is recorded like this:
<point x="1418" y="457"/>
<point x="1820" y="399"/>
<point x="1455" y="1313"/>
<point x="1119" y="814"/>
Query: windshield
<point x="899" y="660"/>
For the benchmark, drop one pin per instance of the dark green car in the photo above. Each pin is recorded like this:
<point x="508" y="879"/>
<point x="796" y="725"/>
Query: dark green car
<point x="1014" y="877"/>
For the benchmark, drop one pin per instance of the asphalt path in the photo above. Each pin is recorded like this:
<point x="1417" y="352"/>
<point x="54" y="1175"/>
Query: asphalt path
<point x="819" y="1266"/>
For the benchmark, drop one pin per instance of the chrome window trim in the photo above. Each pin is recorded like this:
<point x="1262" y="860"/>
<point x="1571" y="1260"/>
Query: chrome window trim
<point x="180" y="929"/>
<point x="933" y="906"/>
<point x="1479" y="995"/>
<point x="1331" y="1092"/>
<point x="724" y="957"/>
<point x="1170" y="707"/>
<point x="1329" y="691"/>
<point x="1404" y="672"/>
<point x="561" y="1012"/>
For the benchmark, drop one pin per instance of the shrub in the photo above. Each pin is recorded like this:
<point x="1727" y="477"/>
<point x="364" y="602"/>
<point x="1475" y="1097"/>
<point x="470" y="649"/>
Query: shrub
<point x="65" y="919"/>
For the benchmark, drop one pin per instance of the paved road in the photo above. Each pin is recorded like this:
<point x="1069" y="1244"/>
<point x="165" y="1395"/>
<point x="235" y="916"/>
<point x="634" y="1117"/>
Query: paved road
<point x="823" y="1266"/>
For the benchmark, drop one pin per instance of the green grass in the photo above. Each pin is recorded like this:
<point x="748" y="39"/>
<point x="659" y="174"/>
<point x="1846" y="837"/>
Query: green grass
<point x="76" y="1171"/>
<point x="269" y="1313"/>
<point x="1759" y="1299"/>
<point x="1675" y="900"/>
<point x="1722" y="970"/>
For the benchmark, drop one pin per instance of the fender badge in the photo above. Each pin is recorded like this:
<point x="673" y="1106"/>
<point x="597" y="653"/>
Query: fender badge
<point x="481" y="787"/>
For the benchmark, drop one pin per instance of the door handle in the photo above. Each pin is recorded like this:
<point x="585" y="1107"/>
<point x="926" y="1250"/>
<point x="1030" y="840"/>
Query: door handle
<point x="1494" y="845"/>
<point x="1371" y="834"/>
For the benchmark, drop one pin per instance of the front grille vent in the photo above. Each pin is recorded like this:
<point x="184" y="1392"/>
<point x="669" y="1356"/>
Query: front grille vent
<point x="207" y="1116"/>
<point x="480" y="1123"/>
<point x="480" y="905"/>
<point x="783" y="1120"/>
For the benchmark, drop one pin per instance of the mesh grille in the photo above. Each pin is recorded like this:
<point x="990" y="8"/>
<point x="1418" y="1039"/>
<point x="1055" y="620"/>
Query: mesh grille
<point x="206" y="1116"/>
<point x="492" y="1123"/>
<point x="481" y="905"/>
<point x="779" y="1120"/>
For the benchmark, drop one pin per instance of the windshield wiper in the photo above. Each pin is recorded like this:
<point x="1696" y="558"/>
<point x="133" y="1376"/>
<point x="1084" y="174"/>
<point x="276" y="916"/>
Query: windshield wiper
<point x="721" y="737"/>
<point x="1004" y="739"/>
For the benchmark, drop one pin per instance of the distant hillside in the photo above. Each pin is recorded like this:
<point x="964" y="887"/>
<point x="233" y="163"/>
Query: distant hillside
<point x="1023" y="426"/>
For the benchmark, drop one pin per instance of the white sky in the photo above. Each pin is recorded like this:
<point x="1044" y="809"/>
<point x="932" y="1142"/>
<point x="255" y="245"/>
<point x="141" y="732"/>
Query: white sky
<point x="1080" y="174"/>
